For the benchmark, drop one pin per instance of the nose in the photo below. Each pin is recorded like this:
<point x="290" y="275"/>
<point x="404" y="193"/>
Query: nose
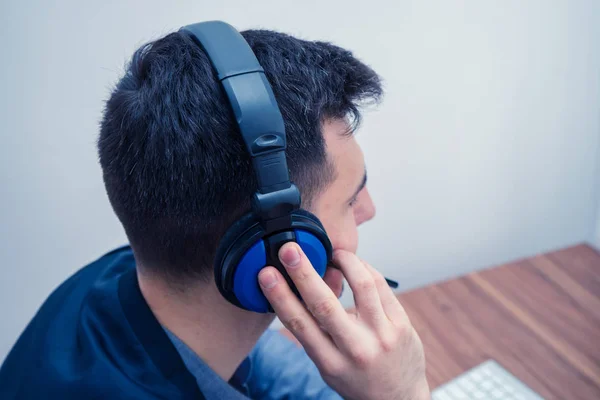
<point x="370" y="207"/>
<point x="366" y="211"/>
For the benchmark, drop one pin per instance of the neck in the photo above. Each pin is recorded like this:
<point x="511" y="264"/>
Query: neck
<point x="217" y="331"/>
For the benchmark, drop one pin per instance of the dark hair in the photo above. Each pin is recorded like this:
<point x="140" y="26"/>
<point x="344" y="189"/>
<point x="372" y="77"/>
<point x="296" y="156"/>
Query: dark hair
<point x="174" y="165"/>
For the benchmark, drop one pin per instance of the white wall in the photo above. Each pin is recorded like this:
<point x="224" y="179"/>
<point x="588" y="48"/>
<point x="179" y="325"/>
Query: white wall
<point x="483" y="152"/>
<point x="596" y="237"/>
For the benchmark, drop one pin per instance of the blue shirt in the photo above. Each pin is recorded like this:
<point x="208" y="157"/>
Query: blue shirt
<point x="96" y="338"/>
<point x="275" y="369"/>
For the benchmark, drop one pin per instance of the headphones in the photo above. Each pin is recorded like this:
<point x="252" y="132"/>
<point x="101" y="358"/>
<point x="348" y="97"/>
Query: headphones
<point x="253" y="241"/>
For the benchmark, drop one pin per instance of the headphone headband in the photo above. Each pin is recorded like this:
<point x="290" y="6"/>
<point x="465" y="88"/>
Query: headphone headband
<point x="256" y="112"/>
<point x="227" y="49"/>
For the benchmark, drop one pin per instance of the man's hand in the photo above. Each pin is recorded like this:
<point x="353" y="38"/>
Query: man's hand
<point x="373" y="353"/>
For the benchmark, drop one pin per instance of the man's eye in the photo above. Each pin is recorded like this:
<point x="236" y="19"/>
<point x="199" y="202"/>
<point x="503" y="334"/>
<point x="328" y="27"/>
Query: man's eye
<point x="352" y="202"/>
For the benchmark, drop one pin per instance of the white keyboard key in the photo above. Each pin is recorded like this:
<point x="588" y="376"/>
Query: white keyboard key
<point x="467" y="385"/>
<point x="455" y="391"/>
<point x="499" y="380"/>
<point x="476" y="376"/>
<point x="487" y="385"/>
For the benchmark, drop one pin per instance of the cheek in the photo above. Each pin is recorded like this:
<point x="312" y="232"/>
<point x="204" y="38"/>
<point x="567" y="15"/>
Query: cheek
<point x="343" y="234"/>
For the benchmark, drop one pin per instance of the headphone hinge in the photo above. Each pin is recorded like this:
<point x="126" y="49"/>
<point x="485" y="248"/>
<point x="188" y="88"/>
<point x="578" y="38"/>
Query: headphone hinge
<point x="275" y="208"/>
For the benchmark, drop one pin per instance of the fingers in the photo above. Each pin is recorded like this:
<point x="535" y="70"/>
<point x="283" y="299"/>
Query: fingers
<point x="364" y="289"/>
<point x="318" y="297"/>
<point x="390" y="303"/>
<point x="295" y="317"/>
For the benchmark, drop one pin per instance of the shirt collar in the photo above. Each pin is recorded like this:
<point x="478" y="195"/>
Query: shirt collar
<point x="208" y="379"/>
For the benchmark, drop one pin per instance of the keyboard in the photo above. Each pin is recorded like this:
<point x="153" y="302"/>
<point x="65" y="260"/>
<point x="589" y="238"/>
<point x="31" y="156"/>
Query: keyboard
<point x="487" y="381"/>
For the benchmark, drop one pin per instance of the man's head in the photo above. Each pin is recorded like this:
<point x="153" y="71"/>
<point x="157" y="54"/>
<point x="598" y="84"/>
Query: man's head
<point x="176" y="169"/>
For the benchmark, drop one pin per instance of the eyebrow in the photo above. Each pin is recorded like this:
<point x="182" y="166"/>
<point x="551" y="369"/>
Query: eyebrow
<point x="362" y="185"/>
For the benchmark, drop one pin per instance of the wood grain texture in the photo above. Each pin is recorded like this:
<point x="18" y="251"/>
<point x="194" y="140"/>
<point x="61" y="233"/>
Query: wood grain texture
<point x="539" y="318"/>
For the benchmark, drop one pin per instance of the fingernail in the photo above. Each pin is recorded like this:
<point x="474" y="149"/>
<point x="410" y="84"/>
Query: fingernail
<point x="268" y="280"/>
<point x="290" y="256"/>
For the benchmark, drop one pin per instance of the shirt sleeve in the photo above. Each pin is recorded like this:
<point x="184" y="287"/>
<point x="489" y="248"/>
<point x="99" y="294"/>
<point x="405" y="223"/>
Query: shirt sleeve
<point x="282" y="370"/>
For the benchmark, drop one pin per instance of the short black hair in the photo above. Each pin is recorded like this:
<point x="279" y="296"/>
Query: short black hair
<point x="174" y="165"/>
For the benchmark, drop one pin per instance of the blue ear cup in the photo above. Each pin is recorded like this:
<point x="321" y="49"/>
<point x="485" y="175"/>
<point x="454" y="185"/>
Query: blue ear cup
<point x="244" y="251"/>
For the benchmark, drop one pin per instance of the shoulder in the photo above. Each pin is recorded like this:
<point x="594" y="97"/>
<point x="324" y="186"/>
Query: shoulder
<point x="78" y="344"/>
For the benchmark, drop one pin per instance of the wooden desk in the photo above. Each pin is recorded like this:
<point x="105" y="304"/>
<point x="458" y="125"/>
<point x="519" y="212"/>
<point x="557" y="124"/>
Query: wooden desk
<point x="539" y="318"/>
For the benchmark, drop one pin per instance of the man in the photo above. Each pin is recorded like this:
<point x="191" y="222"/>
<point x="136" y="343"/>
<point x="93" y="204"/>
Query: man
<point x="148" y="322"/>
